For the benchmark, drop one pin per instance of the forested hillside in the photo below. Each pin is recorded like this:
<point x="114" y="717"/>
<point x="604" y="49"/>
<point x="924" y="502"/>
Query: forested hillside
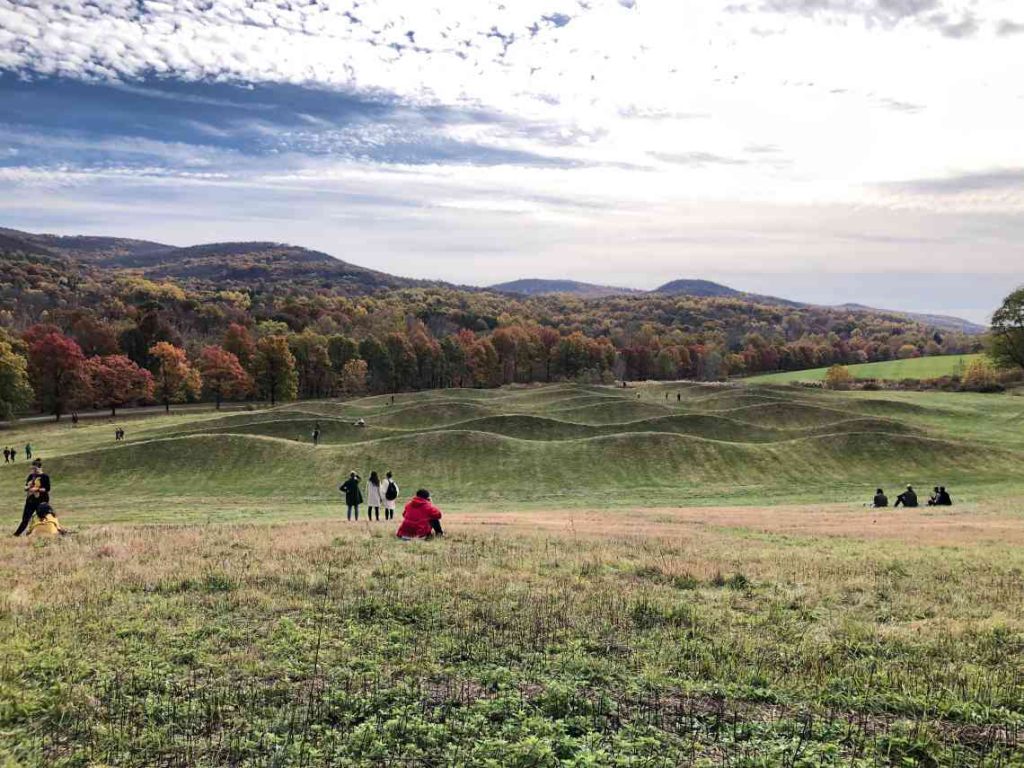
<point x="108" y="322"/>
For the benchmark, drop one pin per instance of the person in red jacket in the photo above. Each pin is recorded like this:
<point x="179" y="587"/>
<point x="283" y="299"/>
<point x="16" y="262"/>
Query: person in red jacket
<point x="420" y="519"/>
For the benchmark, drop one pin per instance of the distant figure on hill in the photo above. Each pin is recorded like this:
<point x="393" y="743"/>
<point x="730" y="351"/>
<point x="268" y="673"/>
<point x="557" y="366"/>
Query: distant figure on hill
<point x="14" y="455"/>
<point x="390" y="496"/>
<point x="316" y="434"/>
<point x="908" y="498"/>
<point x="941" y="498"/>
<point x="28" y="451"/>
<point x="7" y="455"/>
<point x="37" y="491"/>
<point x="679" y="397"/>
<point x="374" y="497"/>
<point x="74" y="418"/>
<point x="353" y="496"/>
<point x="880" y="500"/>
<point x="420" y="519"/>
<point x="46" y="523"/>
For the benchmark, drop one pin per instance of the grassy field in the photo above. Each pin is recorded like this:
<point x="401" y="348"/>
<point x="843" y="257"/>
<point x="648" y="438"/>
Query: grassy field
<point x="660" y="576"/>
<point x="891" y="370"/>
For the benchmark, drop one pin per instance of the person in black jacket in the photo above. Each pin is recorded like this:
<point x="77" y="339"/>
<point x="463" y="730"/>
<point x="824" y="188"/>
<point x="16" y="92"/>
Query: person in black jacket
<point x="944" y="499"/>
<point x="37" y="491"/>
<point x="880" y="500"/>
<point x="908" y="498"/>
<point x="353" y="496"/>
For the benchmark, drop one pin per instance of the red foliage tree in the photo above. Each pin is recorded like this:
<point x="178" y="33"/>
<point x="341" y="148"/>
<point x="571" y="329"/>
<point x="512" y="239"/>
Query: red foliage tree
<point x="223" y="374"/>
<point x="238" y="341"/>
<point x="117" y="381"/>
<point x="57" y="371"/>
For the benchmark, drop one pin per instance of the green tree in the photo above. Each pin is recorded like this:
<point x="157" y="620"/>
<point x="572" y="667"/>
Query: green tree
<point x="312" y="363"/>
<point x="15" y="391"/>
<point x="380" y="371"/>
<point x="1006" y="344"/>
<point x="274" y="370"/>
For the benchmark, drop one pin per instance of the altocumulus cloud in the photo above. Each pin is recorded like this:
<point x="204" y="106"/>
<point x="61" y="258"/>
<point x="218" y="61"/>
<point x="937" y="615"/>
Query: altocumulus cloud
<point x="553" y="131"/>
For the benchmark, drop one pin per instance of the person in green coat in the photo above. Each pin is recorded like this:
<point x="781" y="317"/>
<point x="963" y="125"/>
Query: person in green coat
<point x="353" y="496"/>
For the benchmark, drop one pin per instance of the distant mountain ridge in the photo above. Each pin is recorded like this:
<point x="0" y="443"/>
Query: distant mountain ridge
<point x="709" y="289"/>
<point x="262" y="265"/>
<point x="223" y="265"/>
<point x="542" y="287"/>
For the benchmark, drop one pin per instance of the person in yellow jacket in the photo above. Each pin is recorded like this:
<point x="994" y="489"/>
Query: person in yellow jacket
<point x="46" y="523"/>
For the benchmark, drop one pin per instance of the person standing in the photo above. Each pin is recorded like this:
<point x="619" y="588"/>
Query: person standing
<point x="390" y="496"/>
<point x="374" y="497"/>
<point x="353" y="496"/>
<point x="28" y="451"/>
<point x="316" y="434"/>
<point x="7" y="455"/>
<point x="14" y="455"/>
<point x="37" y="491"/>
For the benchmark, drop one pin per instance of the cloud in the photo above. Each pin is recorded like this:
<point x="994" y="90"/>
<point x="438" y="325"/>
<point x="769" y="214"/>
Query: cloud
<point x="696" y="159"/>
<point x="1007" y="28"/>
<point x="930" y="14"/>
<point x="1003" y="180"/>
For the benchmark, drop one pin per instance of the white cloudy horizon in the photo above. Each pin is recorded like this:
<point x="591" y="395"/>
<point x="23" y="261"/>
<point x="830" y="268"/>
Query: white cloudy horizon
<point x="829" y="143"/>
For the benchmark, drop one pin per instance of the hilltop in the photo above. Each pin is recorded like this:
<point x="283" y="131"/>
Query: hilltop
<point x="229" y="265"/>
<point x="120" y="295"/>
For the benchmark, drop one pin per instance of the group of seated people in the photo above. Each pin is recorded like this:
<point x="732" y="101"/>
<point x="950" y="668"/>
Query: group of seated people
<point x="940" y="498"/>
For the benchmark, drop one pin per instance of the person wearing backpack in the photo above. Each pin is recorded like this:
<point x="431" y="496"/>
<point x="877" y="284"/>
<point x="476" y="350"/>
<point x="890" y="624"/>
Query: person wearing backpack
<point x="390" y="496"/>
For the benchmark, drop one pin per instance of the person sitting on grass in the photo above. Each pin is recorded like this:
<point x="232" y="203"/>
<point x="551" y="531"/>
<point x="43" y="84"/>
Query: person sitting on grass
<point x="908" y="498"/>
<point x="353" y="496"/>
<point x="934" y="498"/>
<point x="46" y="523"/>
<point x="943" y="499"/>
<point x="880" y="500"/>
<point x="420" y="519"/>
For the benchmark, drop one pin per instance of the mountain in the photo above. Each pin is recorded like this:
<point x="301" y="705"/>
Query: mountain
<point x="698" y="288"/>
<point x="540" y="287"/>
<point x="249" y="265"/>
<point x="941" y="322"/>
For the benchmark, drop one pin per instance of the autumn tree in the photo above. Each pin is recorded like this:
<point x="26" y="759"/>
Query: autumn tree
<point x="312" y="363"/>
<point x="175" y="380"/>
<point x="15" y="390"/>
<point x="57" y="372"/>
<point x="838" y="377"/>
<point x="353" y="377"/>
<point x="980" y="376"/>
<point x="274" y="370"/>
<point x="238" y="341"/>
<point x="380" y="371"/>
<point x="223" y="374"/>
<point x="1006" y="346"/>
<point x="117" y="381"/>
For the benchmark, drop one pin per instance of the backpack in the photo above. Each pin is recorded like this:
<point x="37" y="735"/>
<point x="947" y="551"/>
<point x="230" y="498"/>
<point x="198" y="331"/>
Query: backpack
<point x="392" y="492"/>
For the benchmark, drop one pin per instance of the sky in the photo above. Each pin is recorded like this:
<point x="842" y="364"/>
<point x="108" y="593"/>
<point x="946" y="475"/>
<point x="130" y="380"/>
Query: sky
<point x="823" y="150"/>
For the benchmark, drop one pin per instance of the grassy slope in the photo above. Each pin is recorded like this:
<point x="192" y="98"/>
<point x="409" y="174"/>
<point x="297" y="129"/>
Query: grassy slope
<point x="622" y="636"/>
<point x="555" y="446"/>
<point x="892" y="370"/>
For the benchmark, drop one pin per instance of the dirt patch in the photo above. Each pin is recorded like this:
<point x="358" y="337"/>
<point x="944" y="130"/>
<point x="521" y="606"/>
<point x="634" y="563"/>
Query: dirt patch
<point x="915" y="526"/>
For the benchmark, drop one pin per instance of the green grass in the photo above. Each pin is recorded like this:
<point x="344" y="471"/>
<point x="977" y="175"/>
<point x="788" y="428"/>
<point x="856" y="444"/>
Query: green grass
<point x="558" y="446"/>
<point x="891" y="370"/>
<point x="213" y="608"/>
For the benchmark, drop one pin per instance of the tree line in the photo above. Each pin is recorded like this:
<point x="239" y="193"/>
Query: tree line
<point x="73" y="337"/>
